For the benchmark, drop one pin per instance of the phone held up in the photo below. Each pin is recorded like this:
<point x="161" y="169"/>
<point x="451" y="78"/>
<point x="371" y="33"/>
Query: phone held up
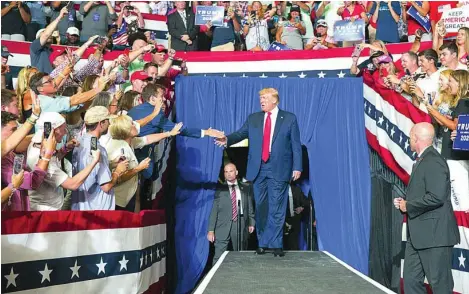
<point x="47" y="129"/>
<point x="122" y="156"/>
<point x="18" y="163"/>
<point x="94" y="144"/>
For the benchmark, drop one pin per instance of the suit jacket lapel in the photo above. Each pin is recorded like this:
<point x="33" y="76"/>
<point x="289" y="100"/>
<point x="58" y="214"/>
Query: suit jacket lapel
<point x="278" y="125"/>
<point x="414" y="169"/>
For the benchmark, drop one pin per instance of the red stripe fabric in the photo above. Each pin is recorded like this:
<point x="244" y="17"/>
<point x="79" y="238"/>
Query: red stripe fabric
<point x="203" y="56"/>
<point x="17" y="222"/>
<point x="429" y="290"/>
<point x="158" y="287"/>
<point x="387" y="157"/>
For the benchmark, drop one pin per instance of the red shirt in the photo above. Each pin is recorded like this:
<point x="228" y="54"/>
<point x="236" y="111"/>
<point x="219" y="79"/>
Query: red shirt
<point x="414" y="25"/>
<point x="357" y="11"/>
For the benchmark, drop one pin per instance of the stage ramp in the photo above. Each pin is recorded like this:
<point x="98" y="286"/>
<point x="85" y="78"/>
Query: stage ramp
<point x="296" y="272"/>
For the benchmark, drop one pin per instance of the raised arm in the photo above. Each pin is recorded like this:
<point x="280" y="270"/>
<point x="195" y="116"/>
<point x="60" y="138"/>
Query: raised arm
<point x="52" y="27"/>
<point x="75" y="182"/>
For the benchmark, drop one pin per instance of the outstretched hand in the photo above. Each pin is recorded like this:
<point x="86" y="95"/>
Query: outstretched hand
<point x="214" y="133"/>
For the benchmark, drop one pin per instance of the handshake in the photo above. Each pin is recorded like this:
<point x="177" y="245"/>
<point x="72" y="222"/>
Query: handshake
<point x="220" y="138"/>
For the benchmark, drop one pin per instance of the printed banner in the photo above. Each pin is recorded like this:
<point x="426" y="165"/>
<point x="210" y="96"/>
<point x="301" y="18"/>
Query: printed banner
<point x="424" y="21"/>
<point x="204" y="14"/>
<point x="277" y="46"/>
<point x="461" y="142"/>
<point x="455" y="19"/>
<point x="345" y="30"/>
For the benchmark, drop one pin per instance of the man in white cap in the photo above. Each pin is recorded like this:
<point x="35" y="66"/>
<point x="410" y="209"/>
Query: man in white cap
<point x="73" y="37"/>
<point x="40" y="49"/>
<point x="96" y="193"/>
<point x="50" y="195"/>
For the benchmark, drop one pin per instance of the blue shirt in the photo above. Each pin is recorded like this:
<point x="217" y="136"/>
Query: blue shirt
<point x="224" y="34"/>
<point x="58" y="104"/>
<point x="386" y="26"/>
<point x="90" y="196"/>
<point x="40" y="56"/>
<point x="37" y="12"/>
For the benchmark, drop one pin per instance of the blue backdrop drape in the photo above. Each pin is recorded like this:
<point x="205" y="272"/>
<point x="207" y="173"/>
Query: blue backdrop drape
<point x="331" y="120"/>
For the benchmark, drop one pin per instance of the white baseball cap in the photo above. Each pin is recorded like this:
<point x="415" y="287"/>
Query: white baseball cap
<point x="73" y="31"/>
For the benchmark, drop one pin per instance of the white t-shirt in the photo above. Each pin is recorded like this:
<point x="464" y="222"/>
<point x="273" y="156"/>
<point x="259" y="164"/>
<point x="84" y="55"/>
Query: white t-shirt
<point x="49" y="195"/>
<point x="331" y="16"/>
<point x="258" y="35"/>
<point x="126" y="190"/>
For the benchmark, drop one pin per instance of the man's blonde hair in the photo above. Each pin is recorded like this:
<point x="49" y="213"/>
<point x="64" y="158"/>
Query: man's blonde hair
<point x="271" y="91"/>
<point x="121" y="127"/>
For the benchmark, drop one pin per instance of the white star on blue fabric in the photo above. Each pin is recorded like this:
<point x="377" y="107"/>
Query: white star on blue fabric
<point x="400" y="139"/>
<point x="406" y="145"/>
<point x="381" y="120"/>
<point x="141" y="261"/>
<point x="244" y="75"/>
<point x="302" y="75"/>
<point x="75" y="269"/>
<point x="45" y="274"/>
<point x="462" y="260"/>
<point x="282" y="76"/>
<point x="158" y="252"/>
<point x="263" y="76"/>
<point x="167" y="35"/>
<point x="123" y="263"/>
<point x="101" y="267"/>
<point x="341" y="74"/>
<point x="392" y="132"/>
<point x="321" y="75"/>
<point x="151" y="256"/>
<point x="11" y="278"/>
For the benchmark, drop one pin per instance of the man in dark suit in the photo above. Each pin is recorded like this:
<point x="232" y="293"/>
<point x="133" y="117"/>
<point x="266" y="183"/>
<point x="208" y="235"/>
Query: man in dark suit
<point x="431" y="225"/>
<point x="151" y="94"/>
<point x="225" y="215"/>
<point x="274" y="159"/>
<point x="297" y="207"/>
<point x="182" y="28"/>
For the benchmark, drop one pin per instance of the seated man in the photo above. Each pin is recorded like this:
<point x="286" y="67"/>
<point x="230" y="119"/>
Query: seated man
<point x="226" y="215"/>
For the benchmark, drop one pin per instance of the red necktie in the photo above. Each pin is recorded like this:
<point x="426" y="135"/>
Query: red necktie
<point x="233" y="203"/>
<point x="266" y="138"/>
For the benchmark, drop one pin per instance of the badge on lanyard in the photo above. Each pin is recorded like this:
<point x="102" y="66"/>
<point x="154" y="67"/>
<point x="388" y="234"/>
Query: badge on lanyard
<point x="70" y="17"/>
<point x="96" y="16"/>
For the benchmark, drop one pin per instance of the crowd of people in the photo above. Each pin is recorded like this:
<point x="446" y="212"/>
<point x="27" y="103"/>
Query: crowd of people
<point x="83" y="137"/>
<point x="299" y="25"/>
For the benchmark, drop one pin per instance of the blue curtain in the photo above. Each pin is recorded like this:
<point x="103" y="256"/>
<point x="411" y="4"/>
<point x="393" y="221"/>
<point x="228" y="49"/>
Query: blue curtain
<point x="331" y="120"/>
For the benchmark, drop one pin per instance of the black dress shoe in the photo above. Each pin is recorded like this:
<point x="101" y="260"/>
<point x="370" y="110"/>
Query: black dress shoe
<point x="260" y="251"/>
<point x="279" y="252"/>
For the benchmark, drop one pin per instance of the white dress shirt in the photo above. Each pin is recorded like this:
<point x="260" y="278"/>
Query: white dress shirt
<point x="238" y="195"/>
<point x="273" y="120"/>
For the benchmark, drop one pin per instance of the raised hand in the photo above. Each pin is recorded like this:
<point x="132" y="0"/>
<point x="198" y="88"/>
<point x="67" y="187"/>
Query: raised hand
<point x="122" y="167"/>
<point x="36" y="103"/>
<point x="63" y="11"/>
<point x="102" y="81"/>
<point x="49" y="144"/>
<point x="176" y="130"/>
<point x="144" y="164"/>
<point x="17" y="180"/>
<point x="96" y="154"/>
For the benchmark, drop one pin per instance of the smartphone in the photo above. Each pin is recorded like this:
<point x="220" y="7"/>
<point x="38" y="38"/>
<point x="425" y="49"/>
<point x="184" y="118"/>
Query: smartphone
<point x="47" y="129"/>
<point x="18" y="163"/>
<point x="94" y="144"/>
<point x="178" y="62"/>
<point x="122" y="156"/>
<point x="429" y="96"/>
<point x="357" y="50"/>
<point x="70" y="6"/>
<point x="407" y="72"/>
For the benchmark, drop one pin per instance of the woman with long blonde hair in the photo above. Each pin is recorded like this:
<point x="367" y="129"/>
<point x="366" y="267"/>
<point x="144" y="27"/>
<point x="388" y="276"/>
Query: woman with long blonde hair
<point x="23" y="93"/>
<point x="255" y="28"/>
<point x="462" y="41"/>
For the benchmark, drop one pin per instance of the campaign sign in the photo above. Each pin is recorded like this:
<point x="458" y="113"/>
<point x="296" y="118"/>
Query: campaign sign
<point x="455" y="19"/>
<point x="204" y="14"/>
<point x="424" y="21"/>
<point x="276" y="46"/>
<point x="461" y="142"/>
<point x="345" y="30"/>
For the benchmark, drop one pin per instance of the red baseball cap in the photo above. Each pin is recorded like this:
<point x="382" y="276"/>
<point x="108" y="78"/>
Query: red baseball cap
<point x="56" y="53"/>
<point x="161" y="48"/>
<point x="140" y="75"/>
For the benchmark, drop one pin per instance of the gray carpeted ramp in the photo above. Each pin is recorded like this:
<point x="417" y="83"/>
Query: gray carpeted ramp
<point x="296" y="272"/>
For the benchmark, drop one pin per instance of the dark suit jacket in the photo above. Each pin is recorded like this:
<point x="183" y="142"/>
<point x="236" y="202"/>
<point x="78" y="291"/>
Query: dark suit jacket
<point x="158" y="124"/>
<point x="176" y="29"/>
<point x="221" y="215"/>
<point x="431" y="221"/>
<point x="285" y="154"/>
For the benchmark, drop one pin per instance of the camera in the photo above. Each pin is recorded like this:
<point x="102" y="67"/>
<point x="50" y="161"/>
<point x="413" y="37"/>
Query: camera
<point x="129" y="7"/>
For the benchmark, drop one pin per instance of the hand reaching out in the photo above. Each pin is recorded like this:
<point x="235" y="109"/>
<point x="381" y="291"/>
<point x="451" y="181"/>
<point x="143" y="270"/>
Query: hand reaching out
<point x="214" y="133"/>
<point x="36" y="103"/>
<point x="144" y="164"/>
<point x="176" y="130"/>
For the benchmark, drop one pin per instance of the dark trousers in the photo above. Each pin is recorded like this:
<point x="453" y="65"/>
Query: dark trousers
<point x="434" y="263"/>
<point x="221" y="245"/>
<point x="271" y="203"/>
<point x="130" y="206"/>
<point x="146" y="190"/>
